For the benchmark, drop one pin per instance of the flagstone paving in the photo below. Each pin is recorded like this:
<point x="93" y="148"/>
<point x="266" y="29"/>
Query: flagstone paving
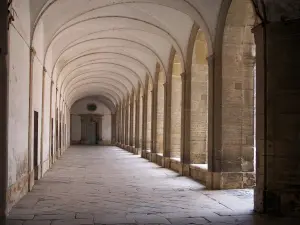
<point x="107" y="185"/>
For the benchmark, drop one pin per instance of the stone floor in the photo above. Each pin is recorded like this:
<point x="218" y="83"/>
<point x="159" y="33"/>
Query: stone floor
<point x="106" y="185"/>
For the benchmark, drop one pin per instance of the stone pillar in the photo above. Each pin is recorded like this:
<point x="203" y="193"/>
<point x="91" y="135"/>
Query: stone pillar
<point x="141" y="120"/>
<point x="127" y="123"/>
<point x="42" y="125"/>
<point x="154" y="115"/>
<point x="119" y="125"/>
<point x="99" y="120"/>
<point x="144" y="122"/>
<point x="51" y="127"/>
<point x="167" y="121"/>
<point x="137" y="122"/>
<point x="123" y="125"/>
<point x="185" y="123"/>
<point x="116" y="127"/>
<point x="278" y="118"/>
<point x="30" y="121"/>
<point x="4" y="109"/>
<point x="149" y="115"/>
<point x="83" y="130"/>
<point x="113" y="128"/>
<point x="131" y="107"/>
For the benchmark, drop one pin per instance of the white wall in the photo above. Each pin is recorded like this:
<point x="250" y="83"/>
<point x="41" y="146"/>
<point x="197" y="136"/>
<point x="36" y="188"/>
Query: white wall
<point x="80" y="107"/>
<point x="19" y="34"/>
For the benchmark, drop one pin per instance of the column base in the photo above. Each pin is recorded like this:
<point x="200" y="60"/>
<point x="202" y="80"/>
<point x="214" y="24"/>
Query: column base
<point x="38" y="172"/>
<point x="230" y="180"/>
<point x="153" y="157"/>
<point x="159" y="159"/>
<point x="137" y="151"/>
<point x="30" y="180"/>
<point x="166" y="162"/>
<point x="184" y="170"/>
<point x="118" y="144"/>
<point x="148" y="155"/>
<point x="279" y="203"/>
<point x="144" y="154"/>
<point x="132" y="149"/>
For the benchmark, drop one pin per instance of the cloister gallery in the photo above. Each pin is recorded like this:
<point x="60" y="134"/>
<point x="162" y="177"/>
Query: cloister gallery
<point x="205" y="90"/>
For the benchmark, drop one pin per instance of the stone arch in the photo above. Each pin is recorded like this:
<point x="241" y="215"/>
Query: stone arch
<point x="231" y="154"/>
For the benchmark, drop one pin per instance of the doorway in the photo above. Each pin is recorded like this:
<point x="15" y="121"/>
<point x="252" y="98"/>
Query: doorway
<point x="35" y="144"/>
<point x="91" y="132"/>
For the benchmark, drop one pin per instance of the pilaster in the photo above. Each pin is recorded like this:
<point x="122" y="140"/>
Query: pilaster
<point x="4" y="108"/>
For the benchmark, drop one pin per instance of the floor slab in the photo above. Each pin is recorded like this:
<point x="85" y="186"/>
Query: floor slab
<point x="107" y="185"/>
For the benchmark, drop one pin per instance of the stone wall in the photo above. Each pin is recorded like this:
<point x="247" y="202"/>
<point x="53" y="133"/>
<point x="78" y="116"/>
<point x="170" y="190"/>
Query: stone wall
<point x="18" y="110"/>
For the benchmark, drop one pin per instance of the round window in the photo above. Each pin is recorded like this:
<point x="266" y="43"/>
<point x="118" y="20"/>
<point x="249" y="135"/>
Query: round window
<point x="91" y="107"/>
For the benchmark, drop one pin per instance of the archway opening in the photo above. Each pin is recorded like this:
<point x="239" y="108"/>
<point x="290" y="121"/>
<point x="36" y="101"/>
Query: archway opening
<point x="199" y="102"/>
<point x="160" y="112"/>
<point x="176" y="102"/>
<point x="238" y="98"/>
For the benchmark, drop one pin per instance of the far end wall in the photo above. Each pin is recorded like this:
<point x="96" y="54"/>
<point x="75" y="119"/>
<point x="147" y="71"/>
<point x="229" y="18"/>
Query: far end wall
<point x="80" y="108"/>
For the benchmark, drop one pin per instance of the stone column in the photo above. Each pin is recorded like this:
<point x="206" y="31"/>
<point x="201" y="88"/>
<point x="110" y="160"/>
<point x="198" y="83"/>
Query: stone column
<point x="137" y="122"/>
<point x="113" y="128"/>
<point x="117" y="126"/>
<point x="167" y="121"/>
<point x="4" y="109"/>
<point x="131" y="107"/>
<point x="278" y="118"/>
<point x="126" y="123"/>
<point x="100" y="128"/>
<point x="42" y="124"/>
<point x="83" y="130"/>
<point x="185" y="123"/>
<point x="30" y="127"/>
<point x="154" y="117"/>
<point x="144" y="131"/>
<point x="123" y="125"/>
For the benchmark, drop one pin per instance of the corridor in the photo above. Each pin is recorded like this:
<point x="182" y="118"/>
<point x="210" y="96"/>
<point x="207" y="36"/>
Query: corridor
<point x="107" y="185"/>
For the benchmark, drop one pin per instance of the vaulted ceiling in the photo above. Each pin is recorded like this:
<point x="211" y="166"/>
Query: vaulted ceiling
<point x="109" y="47"/>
